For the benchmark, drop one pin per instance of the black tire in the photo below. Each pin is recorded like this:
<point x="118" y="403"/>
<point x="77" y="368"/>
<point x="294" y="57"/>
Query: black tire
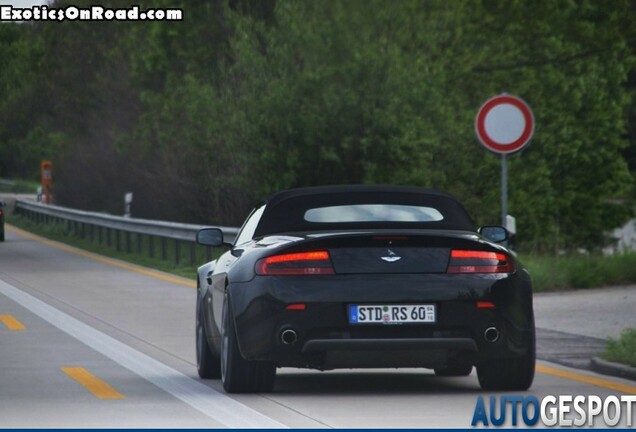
<point x="2" y="235"/>
<point x="509" y="374"/>
<point x="237" y="374"/>
<point x="458" y="370"/>
<point x="208" y="364"/>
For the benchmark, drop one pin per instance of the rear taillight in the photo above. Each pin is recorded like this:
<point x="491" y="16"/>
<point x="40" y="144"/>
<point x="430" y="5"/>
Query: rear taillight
<point x="1" y="213"/>
<point x="299" y="263"/>
<point x="466" y="261"/>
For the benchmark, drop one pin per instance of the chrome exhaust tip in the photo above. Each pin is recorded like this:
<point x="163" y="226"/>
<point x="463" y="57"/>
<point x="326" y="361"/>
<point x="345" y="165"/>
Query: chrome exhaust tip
<point x="491" y="334"/>
<point x="288" y="337"/>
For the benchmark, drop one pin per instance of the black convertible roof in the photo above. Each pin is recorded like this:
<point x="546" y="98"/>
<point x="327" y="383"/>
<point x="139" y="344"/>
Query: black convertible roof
<point x="285" y="211"/>
<point x="354" y="188"/>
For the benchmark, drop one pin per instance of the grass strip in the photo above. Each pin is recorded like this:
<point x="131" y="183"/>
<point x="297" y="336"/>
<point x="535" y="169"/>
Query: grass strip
<point x="554" y="273"/>
<point x="623" y="349"/>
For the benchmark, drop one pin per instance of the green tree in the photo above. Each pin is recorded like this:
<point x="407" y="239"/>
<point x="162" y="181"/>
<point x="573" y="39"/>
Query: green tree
<point x="201" y="118"/>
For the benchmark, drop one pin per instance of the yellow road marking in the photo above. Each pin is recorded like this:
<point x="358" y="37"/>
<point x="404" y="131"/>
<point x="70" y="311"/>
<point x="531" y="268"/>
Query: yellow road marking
<point x="11" y="323"/>
<point x="93" y="384"/>
<point x="599" y="382"/>
<point x="100" y="258"/>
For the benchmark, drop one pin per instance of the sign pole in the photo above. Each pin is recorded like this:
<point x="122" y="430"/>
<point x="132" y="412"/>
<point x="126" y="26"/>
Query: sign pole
<point x="504" y="189"/>
<point x="504" y="125"/>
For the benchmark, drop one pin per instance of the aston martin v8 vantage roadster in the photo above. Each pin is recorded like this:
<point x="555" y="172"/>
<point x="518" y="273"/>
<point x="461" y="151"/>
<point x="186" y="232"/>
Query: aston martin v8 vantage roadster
<point x="363" y="277"/>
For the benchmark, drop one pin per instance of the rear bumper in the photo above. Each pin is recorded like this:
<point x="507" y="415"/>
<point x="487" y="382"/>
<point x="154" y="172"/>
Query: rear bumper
<point x="325" y="339"/>
<point x="407" y="344"/>
<point x="389" y="353"/>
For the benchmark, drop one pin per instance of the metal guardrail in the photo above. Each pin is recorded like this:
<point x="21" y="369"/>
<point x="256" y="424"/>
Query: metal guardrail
<point x="109" y="229"/>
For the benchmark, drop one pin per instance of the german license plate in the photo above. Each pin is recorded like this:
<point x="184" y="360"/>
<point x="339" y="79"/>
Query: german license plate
<point x="391" y="314"/>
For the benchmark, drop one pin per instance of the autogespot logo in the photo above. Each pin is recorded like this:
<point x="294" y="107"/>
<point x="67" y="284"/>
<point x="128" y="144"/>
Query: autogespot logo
<point x="558" y="411"/>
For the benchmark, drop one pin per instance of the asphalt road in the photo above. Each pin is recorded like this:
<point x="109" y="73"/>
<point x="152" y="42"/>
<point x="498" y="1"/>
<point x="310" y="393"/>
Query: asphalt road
<point x="89" y="342"/>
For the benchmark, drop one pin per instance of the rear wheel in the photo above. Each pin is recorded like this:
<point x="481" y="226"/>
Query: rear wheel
<point x="454" y="370"/>
<point x="240" y="375"/>
<point x="509" y="373"/>
<point x="208" y="365"/>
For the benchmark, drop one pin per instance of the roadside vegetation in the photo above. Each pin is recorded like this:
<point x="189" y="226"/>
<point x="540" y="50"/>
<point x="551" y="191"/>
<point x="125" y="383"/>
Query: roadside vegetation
<point x="550" y="273"/>
<point x="623" y="349"/>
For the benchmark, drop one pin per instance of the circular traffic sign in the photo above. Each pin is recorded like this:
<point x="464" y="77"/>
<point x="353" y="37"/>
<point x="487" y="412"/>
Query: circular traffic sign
<point x="504" y="124"/>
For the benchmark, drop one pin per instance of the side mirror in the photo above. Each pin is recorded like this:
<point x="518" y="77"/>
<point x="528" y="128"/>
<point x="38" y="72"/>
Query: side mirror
<point x="210" y="237"/>
<point x="494" y="233"/>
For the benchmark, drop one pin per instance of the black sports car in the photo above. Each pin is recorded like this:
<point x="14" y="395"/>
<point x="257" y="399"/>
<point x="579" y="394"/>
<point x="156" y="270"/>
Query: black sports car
<point x="363" y="277"/>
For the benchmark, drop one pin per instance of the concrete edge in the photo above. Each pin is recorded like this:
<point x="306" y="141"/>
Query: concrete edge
<point x="615" y="369"/>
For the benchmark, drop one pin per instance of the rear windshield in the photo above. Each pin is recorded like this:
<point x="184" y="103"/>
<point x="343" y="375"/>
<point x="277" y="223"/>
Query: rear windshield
<point x="363" y="210"/>
<point x="373" y="213"/>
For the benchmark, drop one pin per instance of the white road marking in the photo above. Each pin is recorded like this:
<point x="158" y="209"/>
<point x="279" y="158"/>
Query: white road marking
<point x="210" y="402"/>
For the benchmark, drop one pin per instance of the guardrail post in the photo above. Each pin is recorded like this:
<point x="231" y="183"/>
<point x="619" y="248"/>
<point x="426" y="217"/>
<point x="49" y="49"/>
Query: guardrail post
<point x="177" y="252"/>
<point x="164" y="255"/>
<point x="151" y="246"/>
<point x="192" y="252"/>
<point x="117" y="241"/>
<point x="139" y="241"/>
<point x="128" y="248"/>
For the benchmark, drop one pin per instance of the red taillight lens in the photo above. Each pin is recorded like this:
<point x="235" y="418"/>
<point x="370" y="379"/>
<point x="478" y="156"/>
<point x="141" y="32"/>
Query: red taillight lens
<point x="299" y="263"/>
<point x="465" y="261"/>
<point x="1" y="213"/>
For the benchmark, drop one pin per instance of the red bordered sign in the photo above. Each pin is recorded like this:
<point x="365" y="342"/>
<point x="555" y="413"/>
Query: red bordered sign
<point x="504" y="124"/>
